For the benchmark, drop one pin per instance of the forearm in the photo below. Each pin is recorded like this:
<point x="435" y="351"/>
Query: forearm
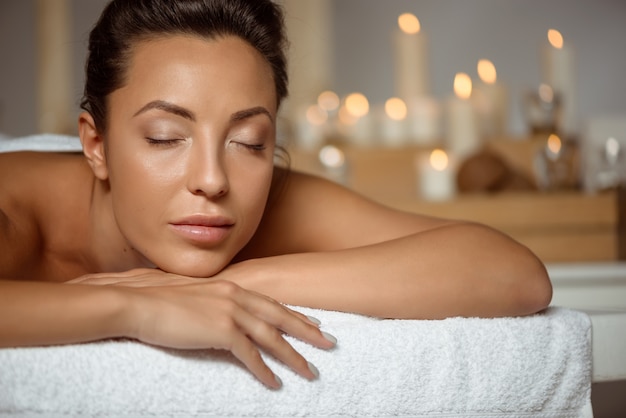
<point x="36" y="313"/>
<point x="455" y="270"/>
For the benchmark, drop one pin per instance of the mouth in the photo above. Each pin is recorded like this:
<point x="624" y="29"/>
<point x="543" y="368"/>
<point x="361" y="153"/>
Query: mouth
<point x="203" y="230"/>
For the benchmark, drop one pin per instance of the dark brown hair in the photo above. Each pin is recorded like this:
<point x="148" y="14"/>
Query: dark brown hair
<point x="124" y="22"/>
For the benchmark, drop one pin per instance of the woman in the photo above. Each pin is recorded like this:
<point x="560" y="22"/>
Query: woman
<point x="176" y="228"/>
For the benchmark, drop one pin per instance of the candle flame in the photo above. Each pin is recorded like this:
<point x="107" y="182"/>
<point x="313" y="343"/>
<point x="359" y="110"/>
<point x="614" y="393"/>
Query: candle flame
<point x="345" y="117"/>
<point x="462" y="86"/>
<point x="315" y="115"/>
<point x="555" y="38"/>
<point x="487" y="71"/>
<point x="439" y="159"/>
<point x="554" y="144"/>
<point x="395" y="108"/>
<point x="408" y="23"/>
<point x="357" y="105"/>
<point x="328" y="101"/>
<point x="331" y="156"/>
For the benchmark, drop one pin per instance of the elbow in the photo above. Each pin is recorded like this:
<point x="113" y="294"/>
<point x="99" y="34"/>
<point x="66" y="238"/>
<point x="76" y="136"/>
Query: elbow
<point x="533" y="287"/>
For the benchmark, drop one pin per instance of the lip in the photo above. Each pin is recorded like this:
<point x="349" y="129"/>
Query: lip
<point x="203" y="229"/>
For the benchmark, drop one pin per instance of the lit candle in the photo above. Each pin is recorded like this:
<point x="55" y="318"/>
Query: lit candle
<point x="393" y="122"/>
<point x="411" y="58"/>
<point x="329" y="102"/>
<point x="559" y="73"/>
<point x="333" y="160"/>
<point x="462" y="136"/>
<point x="553" y="147"/>
<point x="311" y="127"/>
<point x="491" y="101"/>
<point x="424" y="120"/>
<point x="437" y="177"/>
<point x="356" y="120"/>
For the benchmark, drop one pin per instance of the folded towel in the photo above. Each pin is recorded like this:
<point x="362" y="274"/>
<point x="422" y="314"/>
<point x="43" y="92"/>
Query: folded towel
<point x="43" y="142"/>
<point x="537" y="366"/>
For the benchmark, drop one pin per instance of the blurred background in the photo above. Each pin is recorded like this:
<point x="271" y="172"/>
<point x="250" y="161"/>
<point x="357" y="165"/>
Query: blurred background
<point x="387" y="97"/>
<point x="533" y="143"/>
<point x="347" y="46"/>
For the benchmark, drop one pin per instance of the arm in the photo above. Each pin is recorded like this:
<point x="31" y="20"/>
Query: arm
<point x="348" y="253"/>
<point x="193" y="314"/>
<point x="200" y="315"/>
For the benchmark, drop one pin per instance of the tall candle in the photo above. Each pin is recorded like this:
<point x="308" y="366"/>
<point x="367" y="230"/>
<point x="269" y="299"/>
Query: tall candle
<point x="411" y="58"/>
<point x="558" y="71"/>
<point x="424" y="120"/>
<point x="491" y="100"/>
<point x="462" y="136"/>
<point x="54" y="90"/>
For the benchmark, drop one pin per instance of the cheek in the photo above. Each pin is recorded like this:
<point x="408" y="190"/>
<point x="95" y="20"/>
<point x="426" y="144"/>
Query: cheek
<point x="253" y="190"/>
<point x="140" y="189"/>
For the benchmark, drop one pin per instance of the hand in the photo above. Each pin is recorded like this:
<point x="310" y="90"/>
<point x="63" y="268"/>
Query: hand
<point x="188" y="313"/>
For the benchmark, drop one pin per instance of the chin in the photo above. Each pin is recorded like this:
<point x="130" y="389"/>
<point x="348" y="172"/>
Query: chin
<point x="194" y="268"/>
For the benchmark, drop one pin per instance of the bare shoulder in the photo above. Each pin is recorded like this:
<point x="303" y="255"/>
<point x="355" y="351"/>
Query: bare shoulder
<point x="28" y="184"/>
<point x="309" y="213"/>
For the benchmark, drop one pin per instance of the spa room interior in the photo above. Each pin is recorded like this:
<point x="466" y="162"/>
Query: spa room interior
<point x="509" y="113"/>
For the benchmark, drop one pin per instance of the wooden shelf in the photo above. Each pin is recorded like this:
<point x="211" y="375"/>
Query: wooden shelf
<point x="564" y="226"/>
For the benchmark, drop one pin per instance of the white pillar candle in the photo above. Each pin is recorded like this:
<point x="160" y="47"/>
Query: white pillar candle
<point x="356" y="122"/>
<point x="436" y="176"/>
<point x="54" y="77"/>
<point x="462" y="137"/>
<point x="411" y="58"/>
<point x="424" y="121"/>
<point x="392" y="122"/>
<point x="558" y="71"/>
<point x="490" y="98"/>
<point x="311" y="127"/>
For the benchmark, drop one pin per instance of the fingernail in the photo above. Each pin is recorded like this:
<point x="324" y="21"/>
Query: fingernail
<point x="314" y="320"/>
<point x="313" y="370"/>
<point x="278" y="381"/>
<point x="329" y="337"/>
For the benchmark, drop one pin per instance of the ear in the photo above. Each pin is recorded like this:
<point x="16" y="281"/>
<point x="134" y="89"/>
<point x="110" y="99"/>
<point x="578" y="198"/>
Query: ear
<point x="93" y="145"/>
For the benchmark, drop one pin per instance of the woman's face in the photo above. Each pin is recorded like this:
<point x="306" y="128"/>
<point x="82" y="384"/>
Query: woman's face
<point x="189" y="150"/>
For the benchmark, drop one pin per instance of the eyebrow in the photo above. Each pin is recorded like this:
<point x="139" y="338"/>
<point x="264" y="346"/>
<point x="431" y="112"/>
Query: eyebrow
<point x="167" y="107"/>
<point x="187" y="114"/>
<point x="248" y="113"/>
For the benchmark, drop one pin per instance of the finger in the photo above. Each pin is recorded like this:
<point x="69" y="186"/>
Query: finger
<point x="309" y="319"/>
<point x="271" y="339"/>
<point x="249" y="355"/>
<point x="291" y="322"/>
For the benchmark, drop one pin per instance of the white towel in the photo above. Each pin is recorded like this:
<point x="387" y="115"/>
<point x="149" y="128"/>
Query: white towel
<point x="537" y="366"/>
<point x="43" y="142"/>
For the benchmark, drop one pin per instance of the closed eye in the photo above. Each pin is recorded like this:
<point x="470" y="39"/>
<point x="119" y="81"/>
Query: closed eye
<point x="163" y="142"/>
<point x="253" y="147"/>
<point x="249" y="146"/>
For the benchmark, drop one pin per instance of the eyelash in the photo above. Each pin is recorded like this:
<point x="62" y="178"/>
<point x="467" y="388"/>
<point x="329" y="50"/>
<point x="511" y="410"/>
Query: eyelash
<point x="162" y="142"/>
<point x="252" y="147"/>
<point x="172" y="142"/>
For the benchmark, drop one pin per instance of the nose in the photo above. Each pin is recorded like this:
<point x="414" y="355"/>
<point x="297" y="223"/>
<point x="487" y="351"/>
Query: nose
<point x="206" y="174"/>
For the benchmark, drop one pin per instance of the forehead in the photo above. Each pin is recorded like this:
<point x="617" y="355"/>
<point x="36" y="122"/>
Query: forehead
<point x="182" y="65"/>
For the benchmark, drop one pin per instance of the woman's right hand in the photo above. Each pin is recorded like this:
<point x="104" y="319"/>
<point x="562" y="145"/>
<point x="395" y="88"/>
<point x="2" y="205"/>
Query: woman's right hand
<point x="222" y="315"/>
